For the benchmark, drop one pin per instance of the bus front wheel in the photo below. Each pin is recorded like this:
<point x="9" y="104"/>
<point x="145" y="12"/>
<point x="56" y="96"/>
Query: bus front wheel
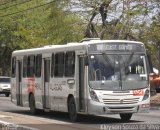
<point x="7" y="94"/>
<point x="126" y="116"/>
<point x="72" y="109"/>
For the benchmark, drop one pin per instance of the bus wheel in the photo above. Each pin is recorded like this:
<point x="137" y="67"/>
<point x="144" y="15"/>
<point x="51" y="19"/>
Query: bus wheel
<point x="32" y="104"/>
<point x="72" y="109"/>
<point x="7" y="94"/>
<point x="126" y="116"/>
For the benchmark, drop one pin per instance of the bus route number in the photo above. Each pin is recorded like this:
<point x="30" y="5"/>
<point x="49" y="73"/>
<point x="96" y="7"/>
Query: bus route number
<point x="138" y="92"/>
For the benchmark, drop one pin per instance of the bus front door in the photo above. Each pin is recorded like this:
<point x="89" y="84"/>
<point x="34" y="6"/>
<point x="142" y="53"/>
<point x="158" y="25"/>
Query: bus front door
<point x="81" y="84"/>
<point x="19" y="83"/>
<point x="46" y="99"/>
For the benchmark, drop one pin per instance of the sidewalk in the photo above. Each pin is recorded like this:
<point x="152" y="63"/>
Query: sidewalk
<point x="155" y="100"/>
<point x="11" y="122"/>
<point x="11" y="126"/>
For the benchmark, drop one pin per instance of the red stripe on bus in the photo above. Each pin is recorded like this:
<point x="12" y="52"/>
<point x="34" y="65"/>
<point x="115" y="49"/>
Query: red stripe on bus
<point x="31" y="85"/>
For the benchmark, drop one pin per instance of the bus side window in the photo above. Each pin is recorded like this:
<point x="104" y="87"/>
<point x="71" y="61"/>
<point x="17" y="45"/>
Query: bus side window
<point x="30" y="66"/>
<point x="13" y="66"/>
<point x="52" y="66"/>
<point x="25" y="66"/>
<point x="69" y="64"/>
<point x="59" y="65"/>
<point x="38" y="65"/>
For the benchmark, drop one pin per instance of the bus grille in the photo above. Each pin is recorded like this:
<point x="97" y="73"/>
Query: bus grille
<point x="121" y="101"/>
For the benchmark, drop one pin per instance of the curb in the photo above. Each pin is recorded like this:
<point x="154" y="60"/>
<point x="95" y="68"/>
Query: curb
<point x="10" y="126"/>
<point x="155" y="105"/>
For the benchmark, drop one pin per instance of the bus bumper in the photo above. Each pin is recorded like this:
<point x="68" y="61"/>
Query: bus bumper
<point x="98" y="108"/>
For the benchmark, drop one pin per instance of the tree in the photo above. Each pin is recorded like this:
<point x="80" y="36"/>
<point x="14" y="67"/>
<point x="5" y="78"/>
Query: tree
<point x="63" y="26"/>
<point x="121" y="19"/>
<point x="152" y="37"/>
<point x="115" y="19"/>
<point x="17" y="29"/>
<point x="28" y="24"/>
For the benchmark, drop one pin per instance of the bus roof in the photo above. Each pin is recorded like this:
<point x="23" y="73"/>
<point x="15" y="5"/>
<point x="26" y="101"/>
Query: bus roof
<point x="69" y="46"/>
<point x="110" y="41"/>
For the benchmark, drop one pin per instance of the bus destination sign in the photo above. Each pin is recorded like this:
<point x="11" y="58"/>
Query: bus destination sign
<point x="117" y="47"/>
<point x="114" y="47"/>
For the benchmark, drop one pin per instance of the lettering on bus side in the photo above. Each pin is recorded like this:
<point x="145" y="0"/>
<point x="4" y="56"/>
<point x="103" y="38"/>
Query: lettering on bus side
<point x="56" y="87"/>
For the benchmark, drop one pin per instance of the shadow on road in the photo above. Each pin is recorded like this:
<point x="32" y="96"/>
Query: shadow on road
<point x="82" y="119"/>
<point x="60" y="116"/>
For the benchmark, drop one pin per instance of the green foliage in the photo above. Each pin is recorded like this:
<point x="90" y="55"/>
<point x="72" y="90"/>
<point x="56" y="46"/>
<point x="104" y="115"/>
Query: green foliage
<point x="63" y="27"/>
<point x="153" y="40"/>
<point x="33" y="23"/>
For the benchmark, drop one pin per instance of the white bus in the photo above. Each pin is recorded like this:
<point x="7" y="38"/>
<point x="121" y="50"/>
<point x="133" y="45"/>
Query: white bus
<point x="94" y="77"/>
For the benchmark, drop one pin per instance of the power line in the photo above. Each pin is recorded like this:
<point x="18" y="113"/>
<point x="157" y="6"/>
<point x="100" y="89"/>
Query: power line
<point x="15" y="4"/>
<point x="27" y="9"/>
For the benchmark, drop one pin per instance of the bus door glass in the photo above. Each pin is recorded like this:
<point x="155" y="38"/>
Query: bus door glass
<point x="46" y="82"/>
<point x="81" y="83"/>
<point x="19" y="82"/>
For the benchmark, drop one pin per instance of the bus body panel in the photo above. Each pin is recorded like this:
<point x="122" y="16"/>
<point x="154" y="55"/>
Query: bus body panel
<point x="113" y="103"/>
<point x="59" y="98"/>
<point x="25" y="91"/>
<point x="13" y="90"/>
<point x="38" y="93"/>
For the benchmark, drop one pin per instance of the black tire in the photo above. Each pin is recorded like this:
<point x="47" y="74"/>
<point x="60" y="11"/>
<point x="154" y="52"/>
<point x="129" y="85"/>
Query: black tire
<point x="7" y="94"/>
<point x="32" y="105"/>
<point x="126" y="116"/>
<point x="72" y="109"/>
<point x="158" y="90"/>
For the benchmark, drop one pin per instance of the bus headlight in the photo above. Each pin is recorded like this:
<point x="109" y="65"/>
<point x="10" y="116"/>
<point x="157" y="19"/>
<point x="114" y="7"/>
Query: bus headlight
<point x="146" y="95"/>
<point x="93" y="95"/>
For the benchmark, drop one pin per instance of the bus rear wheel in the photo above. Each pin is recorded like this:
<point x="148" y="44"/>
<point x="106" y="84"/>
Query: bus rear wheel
<point x="126" y="116"/>
<point x="32" y="104"/>
<point x="72" y="109"/>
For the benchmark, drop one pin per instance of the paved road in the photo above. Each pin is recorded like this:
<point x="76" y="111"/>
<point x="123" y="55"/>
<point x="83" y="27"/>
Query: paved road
<point x="56" y="120"/>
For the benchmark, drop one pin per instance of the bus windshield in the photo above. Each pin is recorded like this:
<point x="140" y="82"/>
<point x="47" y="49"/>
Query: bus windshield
<point x="117" y="71"/>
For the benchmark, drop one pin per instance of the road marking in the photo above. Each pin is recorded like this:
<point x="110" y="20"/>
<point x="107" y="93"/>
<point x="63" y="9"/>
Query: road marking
<point x="11" y="126"/>
<point x="4" y="116"/>
<point x="3" y="122"/>
<point x="38" y="118"/>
